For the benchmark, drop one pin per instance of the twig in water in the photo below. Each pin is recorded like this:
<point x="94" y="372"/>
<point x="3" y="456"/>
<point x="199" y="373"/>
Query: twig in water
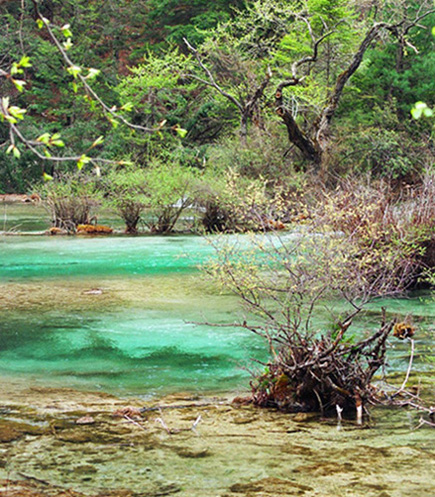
<point x="339" y="416"/>
<point x="181" y="406"/>
<point x="134" y="422"/>
<point x="165" y="426"/>
<point x="424" y="422"/>
<point x="171" y="431"/>
<point x="359" y="410"/>
<point x="195" y="424"/>
<point x="33" y="478"/>
<point x="408" y="372"/>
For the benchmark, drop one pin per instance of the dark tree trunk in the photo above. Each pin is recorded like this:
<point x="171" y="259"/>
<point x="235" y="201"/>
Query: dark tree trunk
<point x="313" y="147"/>
<point x="244" y="127"/>
<point x="308" y="147"/>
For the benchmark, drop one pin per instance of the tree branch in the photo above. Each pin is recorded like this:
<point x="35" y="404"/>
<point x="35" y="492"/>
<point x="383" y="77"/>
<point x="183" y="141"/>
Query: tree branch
<point x="316" y="44"/>
<point x="417" y="20"/>
<point x="329" y="111"/>
<point x="82" y="79"/>
<point x="259" y="91"/>
<point x="212" y="81"/>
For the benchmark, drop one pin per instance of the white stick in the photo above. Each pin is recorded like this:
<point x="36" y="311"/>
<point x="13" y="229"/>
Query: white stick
<point x="359" y="414"/>
<point x="408" y="372"/>
<point x="195" y="424"/>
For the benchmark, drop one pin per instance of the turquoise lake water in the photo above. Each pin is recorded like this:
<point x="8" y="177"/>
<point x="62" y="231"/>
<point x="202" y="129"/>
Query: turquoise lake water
<point x="118" y="314"/>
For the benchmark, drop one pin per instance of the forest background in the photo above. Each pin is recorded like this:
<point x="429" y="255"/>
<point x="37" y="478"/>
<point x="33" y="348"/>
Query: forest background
<point x="204" y="78"/>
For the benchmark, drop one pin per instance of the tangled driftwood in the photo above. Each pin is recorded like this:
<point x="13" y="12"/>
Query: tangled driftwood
<point x="322" y="373"/>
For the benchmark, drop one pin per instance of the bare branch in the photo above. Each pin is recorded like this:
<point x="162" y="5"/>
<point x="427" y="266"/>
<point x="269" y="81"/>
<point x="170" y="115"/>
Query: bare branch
<point x="84" y="82"/>
<point x="419" y="18"/>
<point x="316" y="43"/>
<point x="259" y="91"/>
<point x="329" y="111"/>
<point x="212" y="81"/>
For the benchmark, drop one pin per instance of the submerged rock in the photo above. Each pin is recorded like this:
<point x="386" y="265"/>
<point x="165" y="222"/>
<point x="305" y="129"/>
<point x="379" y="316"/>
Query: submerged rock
<point x="191" y="452"/>
<point x="85" y="420"/>
<point x="271" y="487"/>
<point x="14" y="430"/>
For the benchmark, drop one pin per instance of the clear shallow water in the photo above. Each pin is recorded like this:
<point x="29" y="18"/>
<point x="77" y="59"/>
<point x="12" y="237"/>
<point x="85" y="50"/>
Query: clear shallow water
<point x="134" y="334"/>
<point x="134" y="337"/>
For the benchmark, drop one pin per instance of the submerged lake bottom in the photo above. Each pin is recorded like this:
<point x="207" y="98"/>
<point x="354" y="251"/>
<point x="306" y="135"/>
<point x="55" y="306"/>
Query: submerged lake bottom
<point x="60" y="442"/>
<point x="123" y="318"/>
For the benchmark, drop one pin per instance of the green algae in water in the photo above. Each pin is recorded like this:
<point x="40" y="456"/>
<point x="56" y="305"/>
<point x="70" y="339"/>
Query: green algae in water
<point x="116" y="314"/>
<point x="135" y="352"/>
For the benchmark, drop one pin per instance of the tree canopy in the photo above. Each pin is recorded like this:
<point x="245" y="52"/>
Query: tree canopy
<point x="323" y="85"/>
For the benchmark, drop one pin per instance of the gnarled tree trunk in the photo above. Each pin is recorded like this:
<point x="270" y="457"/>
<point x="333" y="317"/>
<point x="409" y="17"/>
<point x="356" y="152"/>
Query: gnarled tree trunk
<point x="314" y="143"/>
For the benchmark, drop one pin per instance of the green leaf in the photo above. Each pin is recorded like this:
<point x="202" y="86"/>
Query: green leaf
<point x="58" y="143"/>
<point x="47" y="153"/>
<point x="15" y="69"/>
<point x="74" y="71"/>
<point x="67" y="44"/>
<point x="181" y="132"/>
<point x="84" y="159"/>
<point x="98" y="141"/>
<point x="10" y="148"/>
<point x="416" y="113"/>
<point x="420" y="109"/>
<point x="433" y="31"/>
<point x="17" y="112"/>
<point x="66" y="31"/>
<point x="25" y="61"/>
<point x="19" y="84"/>
<point x="75" y="87"/>
<point x="93" y="73"/>
<point x="47" y="177"/>
<point x="45" y="138"/>
<point x="5" y="102"/>
<point x="113" y="122"/>
<point x="128" y="107"/>
<point x="16" y="152"/>
<point x="11" y="119"/>
<point x="40" y="23"/>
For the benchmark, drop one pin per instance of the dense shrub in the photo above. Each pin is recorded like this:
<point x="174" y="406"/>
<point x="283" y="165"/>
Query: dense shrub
<point x="71" y="200"/>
